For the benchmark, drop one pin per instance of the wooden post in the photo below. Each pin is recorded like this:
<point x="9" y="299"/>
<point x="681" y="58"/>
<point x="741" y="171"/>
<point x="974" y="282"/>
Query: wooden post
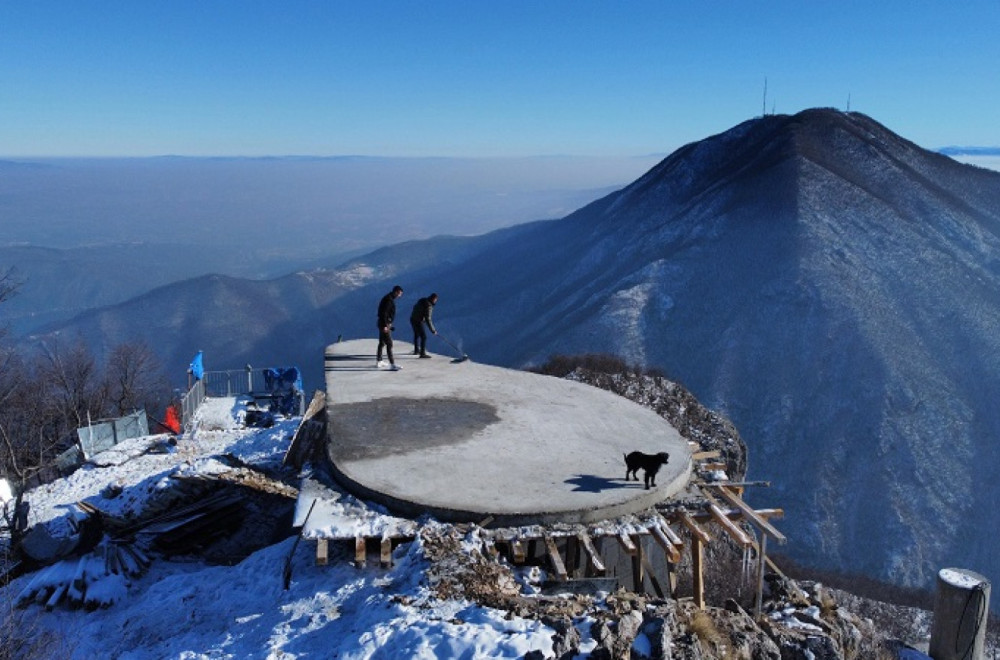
<point x="572" y="556"/>
<point x="360" y="551"/>
<point x="761" y="560"/>
<point x="697" y="573"/>
<point x="321" y="552"/>
<point x="638" y="585"/>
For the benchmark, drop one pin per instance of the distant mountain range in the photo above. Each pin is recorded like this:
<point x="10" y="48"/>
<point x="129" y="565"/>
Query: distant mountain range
<point x="831" y="287"/>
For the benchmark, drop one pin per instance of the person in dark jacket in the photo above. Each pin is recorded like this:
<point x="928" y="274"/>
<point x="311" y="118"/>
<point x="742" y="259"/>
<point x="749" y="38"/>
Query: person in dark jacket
<point x="421" y="314"/>
<point x="386" y="315"/>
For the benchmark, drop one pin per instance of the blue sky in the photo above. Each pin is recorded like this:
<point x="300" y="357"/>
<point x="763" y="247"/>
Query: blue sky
<point x="481" y="79"/>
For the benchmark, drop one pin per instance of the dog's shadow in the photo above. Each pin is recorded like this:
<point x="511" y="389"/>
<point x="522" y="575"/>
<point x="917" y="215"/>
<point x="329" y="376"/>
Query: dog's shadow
<point x="591" y="483"/>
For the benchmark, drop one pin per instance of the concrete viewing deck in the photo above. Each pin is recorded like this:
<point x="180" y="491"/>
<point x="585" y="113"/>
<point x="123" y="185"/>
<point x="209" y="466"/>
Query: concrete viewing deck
<point x="464" y="441"/>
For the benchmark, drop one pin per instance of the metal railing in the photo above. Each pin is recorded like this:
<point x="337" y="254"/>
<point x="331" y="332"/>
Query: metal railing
<point x="190" y="402"/>
<point x="233" y="382"/>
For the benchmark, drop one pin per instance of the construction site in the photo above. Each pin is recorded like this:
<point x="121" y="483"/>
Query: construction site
<point x="535" y="464"/>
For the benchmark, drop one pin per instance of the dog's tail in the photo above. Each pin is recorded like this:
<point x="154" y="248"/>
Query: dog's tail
<point x="625" y="456"/>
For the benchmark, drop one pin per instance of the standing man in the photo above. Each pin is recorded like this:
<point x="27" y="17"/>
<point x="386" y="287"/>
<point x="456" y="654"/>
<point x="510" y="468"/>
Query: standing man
<point x="386" y="315"/>
<point x="420" y="315"/>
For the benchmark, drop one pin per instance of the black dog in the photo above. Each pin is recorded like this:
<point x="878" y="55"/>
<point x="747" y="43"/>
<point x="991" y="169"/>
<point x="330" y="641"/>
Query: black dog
<point x="650" y="464"/>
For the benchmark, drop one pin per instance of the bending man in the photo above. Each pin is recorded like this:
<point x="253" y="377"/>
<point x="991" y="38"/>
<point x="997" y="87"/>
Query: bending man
<point x="421" y="314"/>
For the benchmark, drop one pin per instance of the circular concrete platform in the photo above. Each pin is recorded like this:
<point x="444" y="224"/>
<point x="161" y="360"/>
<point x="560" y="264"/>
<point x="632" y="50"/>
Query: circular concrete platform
<point x="463" y="441"/>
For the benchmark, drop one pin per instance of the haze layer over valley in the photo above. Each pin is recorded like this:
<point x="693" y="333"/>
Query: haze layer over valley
<point x="85" y="233"/>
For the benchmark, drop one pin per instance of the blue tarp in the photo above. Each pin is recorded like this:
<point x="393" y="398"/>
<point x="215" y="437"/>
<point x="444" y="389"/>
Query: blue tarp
<point x="197" y="367"/>
<point x="284" y="384"/>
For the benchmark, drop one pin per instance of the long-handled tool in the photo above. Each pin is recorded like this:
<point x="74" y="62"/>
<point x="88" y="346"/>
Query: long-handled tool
<point x="464" y="357"/>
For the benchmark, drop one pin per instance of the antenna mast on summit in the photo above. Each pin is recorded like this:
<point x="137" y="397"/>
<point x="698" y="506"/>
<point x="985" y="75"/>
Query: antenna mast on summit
<point x="763" y="110"/>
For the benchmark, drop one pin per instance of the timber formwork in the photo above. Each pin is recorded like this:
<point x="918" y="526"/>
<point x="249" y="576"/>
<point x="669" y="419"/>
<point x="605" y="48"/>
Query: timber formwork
<point x="572" y="552"/>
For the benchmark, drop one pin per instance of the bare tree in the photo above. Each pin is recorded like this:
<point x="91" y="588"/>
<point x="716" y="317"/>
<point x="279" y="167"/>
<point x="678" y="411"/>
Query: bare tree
<point x="74" y="385"/>
<point x="30" y="425"/>
<point x="135" y="379"/>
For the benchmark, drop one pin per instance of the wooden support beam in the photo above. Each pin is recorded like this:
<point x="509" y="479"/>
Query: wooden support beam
<point x="627" y="544"/>
<point x="712" y="467"/>
<point x="669" y="533"/>
<point x="517" y="551"/>
<point x="490" y="549"/>
<point x="557" y="561"/>
<point x="360" y="551"/>
<point x="696" y="531"/>
<point x="638" y="581"/>
<point x="669" y="549"/>
<point x="697" y="572"/>
<point x="731" y="528"/>
<point x="754" y="517"/>
<point x="385" y="552"/>
<point x="322" y="552"/>
<point x="734" y="514"/>
<point x="572" y="556"/>
<point x="703" y="455"/>
<point x="594" y="558"/>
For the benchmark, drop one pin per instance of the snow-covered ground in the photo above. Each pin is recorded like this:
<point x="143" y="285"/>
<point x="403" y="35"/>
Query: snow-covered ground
<point x="194" y="610"/>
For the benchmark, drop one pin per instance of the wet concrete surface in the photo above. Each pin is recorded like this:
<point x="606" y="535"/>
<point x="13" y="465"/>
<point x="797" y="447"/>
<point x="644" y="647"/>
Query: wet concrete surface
<point x="398" y="425"/>
<point x="466" y="441"/>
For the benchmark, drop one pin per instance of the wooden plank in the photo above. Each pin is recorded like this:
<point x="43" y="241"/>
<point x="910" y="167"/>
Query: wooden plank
<point x="669" y="549"/>
<point x="702" y="455"/>
<point x="627" y="544"/>
<point x="596" y="562"/>
<point x="711" y="467"/>
<point x="731" y="528"/>
<point x="360" y="551"/>
<point x="652" y="577"/>
<point x="310" y="428"/>
<point x="696" y="531"/>
<point x="749" y="512"/>
<point x="385" y="552"/>
<point x="557" y="561"/>
<point x="322" y="552"/>
<point x="490" y="549"/>
<point x="638" y="575"/>
<point x="697" y="572"/>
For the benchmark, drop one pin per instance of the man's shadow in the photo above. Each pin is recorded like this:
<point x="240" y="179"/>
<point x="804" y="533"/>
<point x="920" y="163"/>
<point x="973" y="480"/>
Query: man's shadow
<point x="591" y="483"/>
